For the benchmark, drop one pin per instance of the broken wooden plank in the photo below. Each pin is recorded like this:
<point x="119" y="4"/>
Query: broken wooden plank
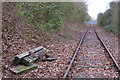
<point x="49" y="57"/>
<point x="36" y="49"/>
<point x="32" y="58"/>
<point x="19" y="57"/>
<point x="22" y="68"/>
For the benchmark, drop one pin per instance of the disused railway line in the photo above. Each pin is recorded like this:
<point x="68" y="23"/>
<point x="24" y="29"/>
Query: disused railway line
<point x="78" y="49"/>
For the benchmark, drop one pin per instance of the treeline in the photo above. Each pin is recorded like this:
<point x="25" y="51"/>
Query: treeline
<point x="52" y="15"/>
<point x="109" y="19"/>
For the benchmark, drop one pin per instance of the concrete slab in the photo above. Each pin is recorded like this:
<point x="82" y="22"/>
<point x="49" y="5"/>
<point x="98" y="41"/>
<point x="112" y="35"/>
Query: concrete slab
<point x="22" y="68"/>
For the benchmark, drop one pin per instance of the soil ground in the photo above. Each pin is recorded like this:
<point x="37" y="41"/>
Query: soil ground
<point x="61" y="45"/>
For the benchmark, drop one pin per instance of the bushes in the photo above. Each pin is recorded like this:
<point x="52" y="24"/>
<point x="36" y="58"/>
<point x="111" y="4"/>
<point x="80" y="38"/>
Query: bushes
<point x="108" y="27"/>
<point x="52" y="15"/>
<point x="109" y="19"/>
<point x="31" y="21"/>
<point x="41" y="14"/>
<point x="100" y="19"/>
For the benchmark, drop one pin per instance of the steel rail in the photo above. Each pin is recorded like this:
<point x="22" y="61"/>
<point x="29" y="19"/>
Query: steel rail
<point x="109" y="53"/>
<point x="75" y="53"/>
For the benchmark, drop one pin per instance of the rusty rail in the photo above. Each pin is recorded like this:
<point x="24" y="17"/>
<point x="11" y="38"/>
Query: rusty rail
<point x="109" y="53"/>
<point x="74" y="55"/>
<point x="78" y="48"/>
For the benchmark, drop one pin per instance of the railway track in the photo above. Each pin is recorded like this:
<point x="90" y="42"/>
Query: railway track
<point x="106" y="65"/>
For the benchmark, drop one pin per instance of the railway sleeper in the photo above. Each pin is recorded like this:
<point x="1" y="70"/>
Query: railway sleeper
<point x="33" y="58"/>
<point x="19" y="57"/>
<point x="25" y="61"/>
<point x="88" y="66"/>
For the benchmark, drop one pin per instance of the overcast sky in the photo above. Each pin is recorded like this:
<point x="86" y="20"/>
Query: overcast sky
<point x="97" y="6"/>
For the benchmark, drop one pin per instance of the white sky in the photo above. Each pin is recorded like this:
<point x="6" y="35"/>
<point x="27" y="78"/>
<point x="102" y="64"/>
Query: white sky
<point x="97" y="6"/>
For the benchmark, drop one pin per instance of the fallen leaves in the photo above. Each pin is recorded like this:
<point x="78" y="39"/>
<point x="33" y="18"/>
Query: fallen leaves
<point x="47" y="69"/>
